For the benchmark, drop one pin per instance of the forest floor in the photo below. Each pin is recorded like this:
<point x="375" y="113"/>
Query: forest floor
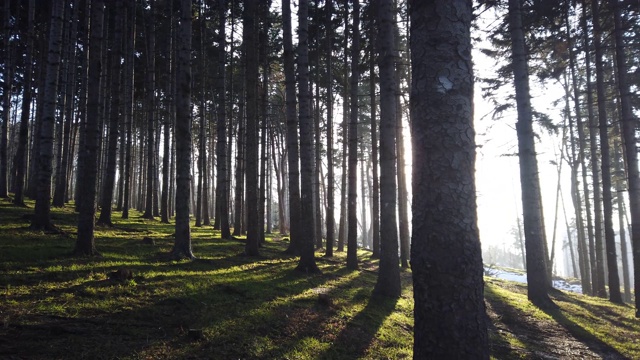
<point x="227" y="306"/>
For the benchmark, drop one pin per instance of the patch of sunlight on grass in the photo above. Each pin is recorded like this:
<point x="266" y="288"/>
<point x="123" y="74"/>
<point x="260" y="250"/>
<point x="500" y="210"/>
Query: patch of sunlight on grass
<point x="307" y="348"/>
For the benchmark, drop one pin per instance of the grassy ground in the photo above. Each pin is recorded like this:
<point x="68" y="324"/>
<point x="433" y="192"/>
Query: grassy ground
<point x="227" y="306"/>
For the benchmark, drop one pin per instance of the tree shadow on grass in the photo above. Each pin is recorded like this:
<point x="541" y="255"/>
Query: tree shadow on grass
<point x="358" y="335"/>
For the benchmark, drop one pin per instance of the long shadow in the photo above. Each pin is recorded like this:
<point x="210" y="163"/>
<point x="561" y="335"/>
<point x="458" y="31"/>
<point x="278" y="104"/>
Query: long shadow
<point x="601" y="311"/>
<point x="591" y="341"/>
<point x="511" y="318"/>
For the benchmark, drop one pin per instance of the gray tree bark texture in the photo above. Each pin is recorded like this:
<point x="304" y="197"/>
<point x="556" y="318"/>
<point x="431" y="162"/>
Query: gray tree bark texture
<point x="450" y="318"/>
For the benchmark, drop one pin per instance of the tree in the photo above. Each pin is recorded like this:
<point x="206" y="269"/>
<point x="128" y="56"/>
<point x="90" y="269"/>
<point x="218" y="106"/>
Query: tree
<point x="605" y="162"/>
<point x="631" y="148"/>
<point x="85" y="243"/>
<point x="249" y="44"/>
<point x="388" y="283"/>
<point x="21" y="152"/>
<point x="222" y="189"/>
<point x="448" y="290"/>
<point x="307" y="263"/>
<point x="42" y="216"/>
<point x="182" y="244"/>
<point x="6" y="103"/>
<point x="150" y="108"/>
<point x="114" y="121"/>
<point x="530" y="183"/>
<point x="293" y="155"/>
<point x="128" y="104"/>
<point x="352" y="187"/>
<point x="330" y="218"/>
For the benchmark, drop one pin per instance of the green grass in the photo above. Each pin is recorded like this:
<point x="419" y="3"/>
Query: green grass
<point x="57" y="306"/>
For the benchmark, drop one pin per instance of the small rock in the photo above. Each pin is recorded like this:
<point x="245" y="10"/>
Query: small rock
<point x="148" y="241"/>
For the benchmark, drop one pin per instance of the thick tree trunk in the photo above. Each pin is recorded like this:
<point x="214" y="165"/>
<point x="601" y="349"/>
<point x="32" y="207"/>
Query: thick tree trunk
<point x="342" y="228"/>
<point x="537" y="280"/>
<point x="631" y="149"/>
<point x="306" y="241"/>
<point x="450" y="318"/>
<point x="352" y="192"/>
<point x="166" y="156"/>
<point x="114" y="121"/>
<point x="21" y="152"/>
<point x="85" y="244"/>
<point x="182" y="245"/>
<point x="42" y="216"/>
<point x="388" y="283"/>
<point x="607" y="200"/>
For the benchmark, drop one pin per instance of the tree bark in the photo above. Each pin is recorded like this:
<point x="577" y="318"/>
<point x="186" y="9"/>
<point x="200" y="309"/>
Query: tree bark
<point x="450" y="318"/>
<point x="306" y="242"/>
<point x="85" y="244"/>
<point x="222" y="188"/>
<point x="388" y="283"/>
<point x="6" y="103"/>
<point x="293" y="154"/>
<point x="129" y="106"/>
<point x="537" y="280"/>
<point x="631" y="150"/>
<point x="21" y="152"/>
<point x="42" y="216"/>
<point x="249" y="44"/>
<point x="330" y="218"/>
<point x="150" y="104"/>
<point x="182" y="245"/>
<point x="605" y="163"/>
<point x="114" y="121"/>
<point x="352" y="192"/>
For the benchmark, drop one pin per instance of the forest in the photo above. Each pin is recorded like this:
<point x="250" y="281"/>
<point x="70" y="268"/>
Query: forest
<point x="298" y="180"/>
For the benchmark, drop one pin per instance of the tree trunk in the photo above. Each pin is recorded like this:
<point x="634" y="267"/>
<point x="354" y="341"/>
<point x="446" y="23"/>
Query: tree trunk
<point x="128" y="105"/>
<point x="586" y="267"/>
<point x="59" y="197"/>
<point x="631" y="150"/>
<point x="532" y="215"/>
<point x="621" y="210"/>
<point x="182" y="245"/>
<point x="21" y="152"/>
<point x="249" y="44"/>
<point x="330" y="218"/>
<point x="150" y="104"/>
<point x="293" y="154"/>
<point x="306" y="241"/>
<point x="6" y="103"/>
<point x="114" y="121"/>
<point x="595" y="242"/>
<point x="342" y="228"/>
<point x="42" y="216"/>
<point x="166" y="156"/>
<point x="450" y="318"/>
<point x="375" y="199"/>
<point x="352" y="192"/>
<point x="607" y="200"/>
<point x="388" y="283"/>
<point x="85" y="244"/>
<point x="222" y="188"/>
